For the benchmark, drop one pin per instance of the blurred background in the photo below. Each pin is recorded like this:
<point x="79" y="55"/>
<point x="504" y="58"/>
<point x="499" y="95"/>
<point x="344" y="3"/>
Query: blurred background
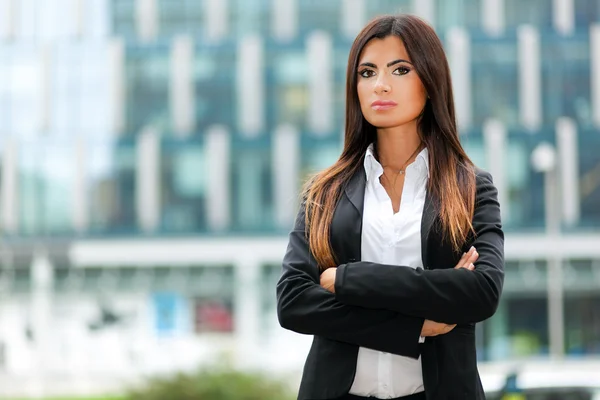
<point x="152" y="152"/>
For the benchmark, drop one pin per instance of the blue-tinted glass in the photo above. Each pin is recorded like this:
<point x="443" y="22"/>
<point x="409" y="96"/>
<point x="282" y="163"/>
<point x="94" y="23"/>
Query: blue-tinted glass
<point x="214" y="84"/>
<point x="184" y="175"/>
<point x="318" y="154"/>
<point x="46" y="177"/>
<point x="586" y="12"/>
<point x="495" y="80"/>
<point x="566" y="79"/>
<point x="321" y="15"/>
<point x="112" y="193"/>
<point x="178" y="17"/>
<point x="286" y="82"/>
<point x="589" y="175"/>
<point x="381" y="7"/>
<point x="464" y="13"/>
<point x="123" y="18"/>
<point x="340" y="66"/>
<point x="250" y="17"/>
<point x="252" y="185"/>
<point x="535" y="12"/>
<point x="526" y="186"/>
<point x="147" y="72"/>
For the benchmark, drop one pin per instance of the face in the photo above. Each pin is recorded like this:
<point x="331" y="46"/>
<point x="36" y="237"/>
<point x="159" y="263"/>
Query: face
<point x="389" y="90"/>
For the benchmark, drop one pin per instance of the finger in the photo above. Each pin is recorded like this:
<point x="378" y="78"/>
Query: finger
<point x="462" y="261"/>
<point x="473" y="257"/>
<point x="466" y="258"/>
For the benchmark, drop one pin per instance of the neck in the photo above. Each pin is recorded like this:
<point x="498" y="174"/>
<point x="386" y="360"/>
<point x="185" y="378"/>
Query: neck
<point x="395" y="145"/>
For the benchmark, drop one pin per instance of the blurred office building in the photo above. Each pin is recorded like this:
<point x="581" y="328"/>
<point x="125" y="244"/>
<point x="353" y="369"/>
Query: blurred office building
<point x="152" y="152"/>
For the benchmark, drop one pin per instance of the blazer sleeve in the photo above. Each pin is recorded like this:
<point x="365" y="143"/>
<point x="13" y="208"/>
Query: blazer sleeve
<point x="453" y="296"/>
<point x="305" y="307"/>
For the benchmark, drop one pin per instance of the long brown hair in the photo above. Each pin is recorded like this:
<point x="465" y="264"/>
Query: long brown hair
<point x="452" y="173"/>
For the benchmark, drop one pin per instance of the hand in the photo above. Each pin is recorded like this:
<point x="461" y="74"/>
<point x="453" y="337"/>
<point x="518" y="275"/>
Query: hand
<point x="328" y="279"/>
<point x="468" y="259"/>
<point x="432" y="328"/>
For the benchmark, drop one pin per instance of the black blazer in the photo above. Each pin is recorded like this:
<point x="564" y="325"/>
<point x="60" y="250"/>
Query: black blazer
<point x="383" y="307"/>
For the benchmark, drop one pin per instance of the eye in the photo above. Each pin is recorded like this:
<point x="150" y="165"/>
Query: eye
<point x="366" y="73"/>
<point x="401" y="70"/>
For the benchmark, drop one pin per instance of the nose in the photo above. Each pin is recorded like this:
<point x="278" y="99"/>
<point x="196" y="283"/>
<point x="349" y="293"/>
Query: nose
<point x="381" y="86"/>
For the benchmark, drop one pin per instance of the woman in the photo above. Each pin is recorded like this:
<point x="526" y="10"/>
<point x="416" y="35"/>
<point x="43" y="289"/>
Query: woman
<point x="381" y="266"/>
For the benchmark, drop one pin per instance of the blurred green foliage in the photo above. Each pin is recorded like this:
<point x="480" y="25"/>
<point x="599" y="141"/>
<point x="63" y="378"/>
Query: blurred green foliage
<point x="213" y="384"/>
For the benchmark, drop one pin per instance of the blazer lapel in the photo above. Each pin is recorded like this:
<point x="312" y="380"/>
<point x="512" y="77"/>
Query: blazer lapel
<point x="429" y="214"/>
<point x="355" y="190"/>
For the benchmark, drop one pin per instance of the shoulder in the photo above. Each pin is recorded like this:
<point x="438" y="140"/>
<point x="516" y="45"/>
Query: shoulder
<point x="484" y="186"/>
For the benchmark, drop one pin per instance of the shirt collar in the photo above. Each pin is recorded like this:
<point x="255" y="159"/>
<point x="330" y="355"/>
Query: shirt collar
<point x="374" y="170"/>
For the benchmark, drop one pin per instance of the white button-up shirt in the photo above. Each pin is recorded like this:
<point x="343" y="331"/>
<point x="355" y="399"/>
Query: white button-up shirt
<point x="389" y="238"/>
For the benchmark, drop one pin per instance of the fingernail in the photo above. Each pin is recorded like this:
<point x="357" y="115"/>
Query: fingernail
<point x="472" y="248"/>
<point x="471" y="266"/>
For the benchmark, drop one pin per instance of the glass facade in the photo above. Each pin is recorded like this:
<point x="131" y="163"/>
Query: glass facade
<point x="74" y="157"/>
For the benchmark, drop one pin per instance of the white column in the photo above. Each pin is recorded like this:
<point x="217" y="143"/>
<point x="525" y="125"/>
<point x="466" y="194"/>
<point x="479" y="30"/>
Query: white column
<point x="247" y="312"/>
<point x="251" y="86"/>
<point x="492" y="17"/>
<point x="181" y="88"/>
<point x="80" y="193"/>
<point x="10" y="187"/>
<point x="284" y="19"/>
<point x="353" y="17"/>
<point x="494" y="134"/>
<point x="116" y="73"/>
<point x="42" y="277"/>
<point x="285" y="164"/>
<point x="563" y="16"/>
<point x="45" y="93"/>
<point x="459" y="57"/>
<point x="425" y="9"/>
<point x="78" y="21"/>
<point x="7" y="19"/>
<point x="216" y="19"/>
<point x="218" y="161"/>
<point x="320" y="82"/>
<point x="566" y="139"/>
<point x="147" y="193"/>
<point x="595" y="72"/>
<point x="530" y="76"/>
<point x="146" y="19"/>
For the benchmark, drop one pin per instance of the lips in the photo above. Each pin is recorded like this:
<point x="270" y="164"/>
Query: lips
<point x="379" y="105"/>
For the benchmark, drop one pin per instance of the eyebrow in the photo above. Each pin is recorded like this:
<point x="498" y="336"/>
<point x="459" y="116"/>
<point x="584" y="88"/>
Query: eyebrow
<point x="367" y="64"/>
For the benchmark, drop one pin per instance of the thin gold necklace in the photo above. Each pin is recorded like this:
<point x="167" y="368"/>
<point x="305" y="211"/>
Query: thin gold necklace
<point x="401" y="171"/>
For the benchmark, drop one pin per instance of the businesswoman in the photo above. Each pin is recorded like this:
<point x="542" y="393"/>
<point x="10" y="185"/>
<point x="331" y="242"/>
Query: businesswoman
<point x="397" y="250"/>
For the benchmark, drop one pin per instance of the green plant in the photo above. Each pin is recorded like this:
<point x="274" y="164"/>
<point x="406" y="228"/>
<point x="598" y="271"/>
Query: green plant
<point x="213" y="384"/>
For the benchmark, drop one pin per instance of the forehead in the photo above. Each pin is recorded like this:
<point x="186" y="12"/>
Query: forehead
<point x="387" y="49"/>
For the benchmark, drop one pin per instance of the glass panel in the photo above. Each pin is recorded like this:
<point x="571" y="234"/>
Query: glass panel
<point x="586" y="12"/>
<point x="184" y="175"/>
<point x="215" y="90"/>
<point x="252" y="182"/>
<point x="536" y="12"/>
<point x="287" y="74"/>
<point x="375" y="8"/>
<point x="520" y="326"/>
<point x="566" y="79"/>
<point x="251" y="16"/>
<point x="495" y="81"/>
<point x="147" y="79"/>
<point x="123" y="18"/>
<point x="318" y="14"/>
<point x="112" y="187"/>
<point x="589" y="174"/>
<point x="465" y="13"/>
<point x="178" y="17"/>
